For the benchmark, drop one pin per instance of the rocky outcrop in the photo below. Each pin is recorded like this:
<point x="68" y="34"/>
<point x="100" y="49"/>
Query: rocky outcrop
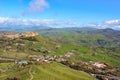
<point x="12" y="36"/>
<point x="30" y="34"/>
<point x="99" y="65"/>
<point x="19" y="35"/>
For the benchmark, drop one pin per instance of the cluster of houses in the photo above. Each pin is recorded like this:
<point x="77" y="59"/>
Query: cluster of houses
<point x="31" y="59"/>
<point x="41" y="59"/>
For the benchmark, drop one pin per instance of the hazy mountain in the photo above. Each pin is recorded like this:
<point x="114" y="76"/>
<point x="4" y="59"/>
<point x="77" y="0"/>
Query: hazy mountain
<point x="22" y="28"/>
<point x="108" y="32"/>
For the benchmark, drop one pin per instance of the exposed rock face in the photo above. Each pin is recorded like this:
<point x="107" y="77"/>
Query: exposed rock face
<point x="99" y="65"/>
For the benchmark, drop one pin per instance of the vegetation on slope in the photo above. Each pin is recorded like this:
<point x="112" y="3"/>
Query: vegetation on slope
<point x="53" y="71"/>
<point x="86" y="46"/>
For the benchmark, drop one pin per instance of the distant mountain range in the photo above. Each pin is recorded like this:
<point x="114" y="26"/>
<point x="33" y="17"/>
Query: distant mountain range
<point x="22" y="28"/>
<point x="83" y="36"/>
<point x="76" y="35"/>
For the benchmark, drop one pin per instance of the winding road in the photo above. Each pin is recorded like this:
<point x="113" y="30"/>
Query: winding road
<point x="30" y="72"/>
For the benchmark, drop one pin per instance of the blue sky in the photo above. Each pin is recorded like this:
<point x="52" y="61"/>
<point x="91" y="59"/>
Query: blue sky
<point x="78" y="11"/>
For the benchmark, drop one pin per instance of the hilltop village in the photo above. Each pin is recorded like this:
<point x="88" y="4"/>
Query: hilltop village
<point x="30" y="59"/>
<point x="19" y="35"/>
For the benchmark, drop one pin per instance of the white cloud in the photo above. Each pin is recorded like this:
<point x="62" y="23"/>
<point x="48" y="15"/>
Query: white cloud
<point x="111" y="24"/>
<point x="16" y="22"/>
<point x="114" y="24"/>
<point x="38" y="5"/>
<point x="6" y="22"/>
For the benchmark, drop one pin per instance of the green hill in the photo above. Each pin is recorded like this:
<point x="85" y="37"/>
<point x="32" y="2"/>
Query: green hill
<point x="90" y="37"/>
<point x="86" y="46"/>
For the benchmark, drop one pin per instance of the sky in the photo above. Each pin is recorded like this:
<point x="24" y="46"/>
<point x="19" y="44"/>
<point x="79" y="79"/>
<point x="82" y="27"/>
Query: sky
<point x="100" y="13"/>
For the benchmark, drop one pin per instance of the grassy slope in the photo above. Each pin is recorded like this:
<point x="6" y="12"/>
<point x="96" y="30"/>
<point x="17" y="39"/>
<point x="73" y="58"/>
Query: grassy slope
<point x="13" y="71"/>
<point x="84" y="42"/>
<point x="82" y="53"/>
<point x="53" y="71"/>
<point x="82" y="37"/>
<point x="57" y="71"/>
